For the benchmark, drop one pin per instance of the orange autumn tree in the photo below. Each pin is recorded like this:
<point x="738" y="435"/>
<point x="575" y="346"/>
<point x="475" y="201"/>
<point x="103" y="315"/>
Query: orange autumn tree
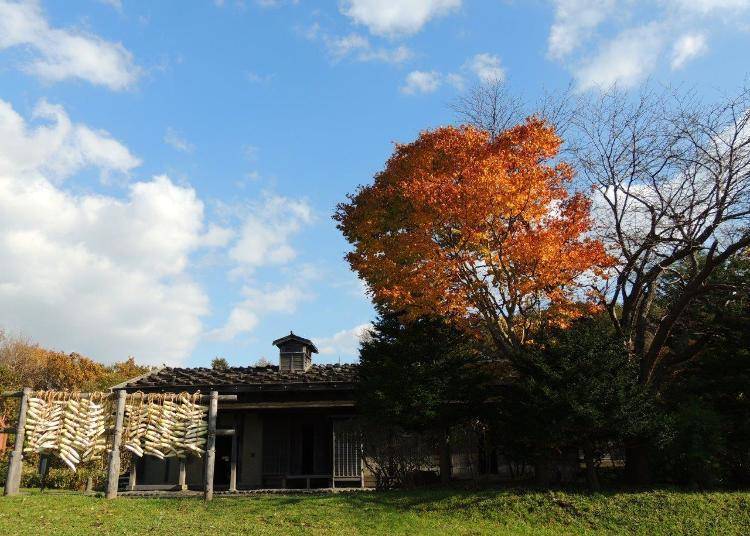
<point x="479" y="229"/>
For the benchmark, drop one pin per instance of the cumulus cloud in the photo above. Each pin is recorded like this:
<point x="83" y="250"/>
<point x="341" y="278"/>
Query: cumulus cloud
<point x="97" y="274"/>
<point x="421" y="82"/>
<point x="486" y="67"/>
<point x="687" y="47"/>
<point x="396" y="17"/>
<point x="635" y="51"/>
<point x="265" y="232"/>
<point x="344" y="343"/>
<point x="60" y="54"/>
<point x="625" y="60"/>
<point x="257" y="303"/>
<point x="57" y="147"/>
<point x="264" y="239"/>
<point x="574" y="22"/>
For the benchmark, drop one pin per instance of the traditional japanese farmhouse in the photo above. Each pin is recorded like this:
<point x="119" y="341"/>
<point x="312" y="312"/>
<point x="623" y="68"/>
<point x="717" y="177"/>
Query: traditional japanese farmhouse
<point x="287" y="428"/>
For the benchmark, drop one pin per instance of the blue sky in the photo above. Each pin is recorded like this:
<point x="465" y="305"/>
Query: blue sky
<point x="168" y="170"/>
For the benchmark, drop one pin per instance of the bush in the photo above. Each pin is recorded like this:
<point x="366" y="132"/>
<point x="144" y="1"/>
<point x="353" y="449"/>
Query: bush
<point x="397" y="459"/>
<point x="59" y="476"/>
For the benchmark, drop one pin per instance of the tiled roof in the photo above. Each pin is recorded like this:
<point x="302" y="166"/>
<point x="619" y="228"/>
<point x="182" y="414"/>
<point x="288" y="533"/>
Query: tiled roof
<point x="319" y="375"/>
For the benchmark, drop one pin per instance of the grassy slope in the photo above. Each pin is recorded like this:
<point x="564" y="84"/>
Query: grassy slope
<point x="435" y="512"/>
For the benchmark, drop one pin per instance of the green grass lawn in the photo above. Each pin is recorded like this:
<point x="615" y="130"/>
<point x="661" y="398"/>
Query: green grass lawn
<point x="423" y="512"/>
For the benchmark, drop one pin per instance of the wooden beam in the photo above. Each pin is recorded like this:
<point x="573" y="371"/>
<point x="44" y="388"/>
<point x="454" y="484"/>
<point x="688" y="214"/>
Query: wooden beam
<point x="203" y="398"/>
<point x="16" y="394"/>
<point x="213" y="407"/>
<point x="13" y="478"/>
<point x="113" y="469"/>
<point x="291" y="405"/>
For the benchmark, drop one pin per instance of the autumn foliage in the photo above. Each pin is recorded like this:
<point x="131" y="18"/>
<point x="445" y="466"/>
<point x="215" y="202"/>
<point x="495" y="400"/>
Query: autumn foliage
<point x="476" y="228"/>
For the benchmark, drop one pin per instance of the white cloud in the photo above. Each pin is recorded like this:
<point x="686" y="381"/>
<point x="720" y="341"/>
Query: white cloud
<point x="357" y="47"/>
<point x="687" y="47"/>
<point x="344" y="343"/>
<point x="624" y="61"/>
<point x="636" y="51"/>
<point x="173" y="138"/>
<point x="265" y="232"/>
<point x="117" y="4"/>
<point x="257" y="78"/>
<point x="264" y="239"/>
<point x="93" y="273"/>
<point x="396" y="17"/>
<point x="58" y="147"/>
<point x="486" y="67"/>
<point x="574" y="22"/>
<point x="421" y="82"/>
<point x="259" y="303"/>
<point x="456" y="80"/>
<point x="340" y="47"/>
<point x="59" y="54"/>
<point x="711" y="6"/>
<point x="399" y="54"/>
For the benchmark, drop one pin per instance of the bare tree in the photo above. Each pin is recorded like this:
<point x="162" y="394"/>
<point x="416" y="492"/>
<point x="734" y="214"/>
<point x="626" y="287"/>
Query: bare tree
<point x="673" y="182"/>
<point x="671" y="177"/>
<point x="490" y="106"/>
<point x="494" y="108"/>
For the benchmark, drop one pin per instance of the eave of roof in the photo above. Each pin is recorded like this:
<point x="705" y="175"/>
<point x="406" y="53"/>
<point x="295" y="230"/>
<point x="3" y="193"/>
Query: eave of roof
<point x="293" y="337"/>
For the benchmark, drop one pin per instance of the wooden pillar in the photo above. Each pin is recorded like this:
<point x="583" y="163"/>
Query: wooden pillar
<point x="213" y="405"/>
<point x="333" y="454"/>
<point x="133" y="475"/>
<point x="43" y="466"/>
<point x="13" y="479"/>
<point x="182" y="475"/>
<point x="113" y="470"/>
<point x="233" y="459"/>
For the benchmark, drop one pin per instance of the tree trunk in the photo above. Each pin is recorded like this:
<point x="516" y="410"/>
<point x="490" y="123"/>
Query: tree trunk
<point x="592" y="480"/>
<point x="445" y="458"/>
<point x="637" y="470"/>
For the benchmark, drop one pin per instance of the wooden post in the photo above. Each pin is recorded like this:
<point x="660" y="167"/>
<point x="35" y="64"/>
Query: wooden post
<point x="333" y="454"/>
<point x="213" y="406"/>
<point x="15" y="463"/>
<point x="113" y="471"/>
<point x="43" y="466"/>
<point x="133" y="475"/>
<point x="182" y="475"/>
<point x="233" y="460"/>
